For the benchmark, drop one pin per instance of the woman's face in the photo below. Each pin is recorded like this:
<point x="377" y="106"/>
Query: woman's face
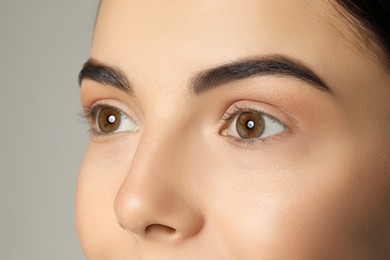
<point x="231" y="129"/>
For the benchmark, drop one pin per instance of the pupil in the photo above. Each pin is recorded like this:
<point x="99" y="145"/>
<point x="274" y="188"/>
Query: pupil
<point x="250" y="124"/>
<point x="111" y="119"/>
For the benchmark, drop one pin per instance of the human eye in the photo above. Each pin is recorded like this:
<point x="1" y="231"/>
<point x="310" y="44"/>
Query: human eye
<point x="106" y="119"/>
<point x="248" y="125"/>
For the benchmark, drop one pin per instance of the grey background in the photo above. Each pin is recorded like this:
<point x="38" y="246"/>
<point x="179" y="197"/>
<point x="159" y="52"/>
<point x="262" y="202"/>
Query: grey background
<point x="43" y="44"/>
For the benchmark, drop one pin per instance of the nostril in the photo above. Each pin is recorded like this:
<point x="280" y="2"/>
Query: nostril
<point x="160" y="231"/>
<point x="159" y="228"/>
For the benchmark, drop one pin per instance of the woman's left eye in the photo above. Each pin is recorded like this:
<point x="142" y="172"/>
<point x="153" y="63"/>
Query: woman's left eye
<point x="251" y="125"/>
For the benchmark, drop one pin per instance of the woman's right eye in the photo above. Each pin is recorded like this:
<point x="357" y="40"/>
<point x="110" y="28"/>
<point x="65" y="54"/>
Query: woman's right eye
<point x="107" y="119"/>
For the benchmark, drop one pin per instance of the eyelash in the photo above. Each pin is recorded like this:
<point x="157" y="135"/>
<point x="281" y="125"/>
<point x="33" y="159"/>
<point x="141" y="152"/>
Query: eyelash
<point x="237" y="110"/>
<point x="89" y="113"/>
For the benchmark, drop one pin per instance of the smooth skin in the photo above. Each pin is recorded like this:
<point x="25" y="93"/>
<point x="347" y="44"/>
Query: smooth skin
<point x="183" y="185"/>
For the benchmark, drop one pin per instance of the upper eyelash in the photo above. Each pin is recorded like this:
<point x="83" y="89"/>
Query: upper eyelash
<point x="89" y="114"/>
<point x="86" y="113"/>
<point x="229" y="116"/>
<point x="240" y="109"/>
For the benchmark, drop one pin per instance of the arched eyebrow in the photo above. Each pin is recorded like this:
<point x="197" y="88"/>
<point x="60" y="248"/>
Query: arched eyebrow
<point x="105" y="74"/>
<point x="276" y="65"/>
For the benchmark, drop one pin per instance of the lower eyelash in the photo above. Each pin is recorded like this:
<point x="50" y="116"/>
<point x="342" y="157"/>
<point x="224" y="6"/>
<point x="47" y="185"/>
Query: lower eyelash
<point x="247" y="142"/>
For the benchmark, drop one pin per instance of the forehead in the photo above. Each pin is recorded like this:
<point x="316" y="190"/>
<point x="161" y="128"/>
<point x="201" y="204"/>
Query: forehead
<point x="170" y="40"/>
<point x="184" y="28"/>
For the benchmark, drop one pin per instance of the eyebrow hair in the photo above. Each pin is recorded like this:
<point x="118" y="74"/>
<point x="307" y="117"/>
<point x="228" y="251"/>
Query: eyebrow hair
<point x="264" y="66"/>
<point x="212" y="78"/>
<point x="105" y="74"/>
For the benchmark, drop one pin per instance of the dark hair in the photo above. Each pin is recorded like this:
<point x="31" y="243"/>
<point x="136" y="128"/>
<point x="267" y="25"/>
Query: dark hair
<point x="373" y="16"/>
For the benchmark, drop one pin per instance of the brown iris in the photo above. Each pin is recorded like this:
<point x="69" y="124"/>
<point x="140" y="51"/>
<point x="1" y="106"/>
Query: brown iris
<point x="108" y="119"/>
<point x="250" y="125"/>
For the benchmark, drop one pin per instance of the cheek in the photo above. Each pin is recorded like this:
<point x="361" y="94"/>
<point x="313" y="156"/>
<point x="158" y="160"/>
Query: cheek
<point x="329" y="203"/>
<point x="101" y="174"/>
<point x="340" y="207"/>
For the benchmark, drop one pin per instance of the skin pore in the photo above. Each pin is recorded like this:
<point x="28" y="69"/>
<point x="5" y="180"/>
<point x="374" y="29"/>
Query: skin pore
<point x="175" y="173"/>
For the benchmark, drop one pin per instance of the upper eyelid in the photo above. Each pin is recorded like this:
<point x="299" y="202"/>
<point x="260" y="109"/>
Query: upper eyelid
<point x="237" y="109"/>
<point x="95" y="108"/>
<point x="91" y="110"/>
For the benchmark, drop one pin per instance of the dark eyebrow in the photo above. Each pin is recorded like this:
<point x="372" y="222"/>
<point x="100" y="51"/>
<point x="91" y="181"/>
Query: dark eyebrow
<point x="247" y="68"/>
<point x="101" y="73"/>
<point x="214" y="77"/>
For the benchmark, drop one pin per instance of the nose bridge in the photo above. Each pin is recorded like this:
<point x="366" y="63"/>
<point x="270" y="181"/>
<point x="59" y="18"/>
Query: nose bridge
<point x="152" y="198"/>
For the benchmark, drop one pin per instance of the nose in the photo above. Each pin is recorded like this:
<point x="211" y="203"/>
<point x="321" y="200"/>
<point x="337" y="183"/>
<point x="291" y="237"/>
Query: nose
<point x="155" y="201"/>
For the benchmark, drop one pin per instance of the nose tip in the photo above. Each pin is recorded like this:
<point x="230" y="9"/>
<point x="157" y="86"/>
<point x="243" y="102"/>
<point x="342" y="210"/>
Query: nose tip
<point x="129" y="214"/>
<point x="159" y="218"/>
